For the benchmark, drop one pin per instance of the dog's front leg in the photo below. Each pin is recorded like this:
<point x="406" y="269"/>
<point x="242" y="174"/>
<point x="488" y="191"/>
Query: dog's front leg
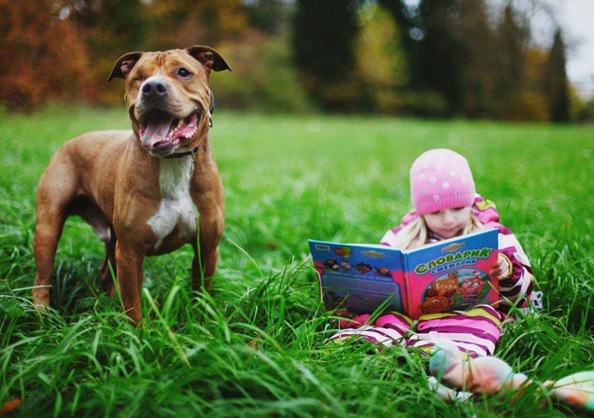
<point x="207" y="194"/>
<point x="129" y="273"/>
<point x="205" y="254"/>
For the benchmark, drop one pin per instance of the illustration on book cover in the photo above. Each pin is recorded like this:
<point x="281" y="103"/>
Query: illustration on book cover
<point x="442" y="277"/>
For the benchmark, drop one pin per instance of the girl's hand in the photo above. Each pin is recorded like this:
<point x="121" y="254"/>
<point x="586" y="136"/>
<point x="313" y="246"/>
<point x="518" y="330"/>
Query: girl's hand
<point x="502" y="269"/>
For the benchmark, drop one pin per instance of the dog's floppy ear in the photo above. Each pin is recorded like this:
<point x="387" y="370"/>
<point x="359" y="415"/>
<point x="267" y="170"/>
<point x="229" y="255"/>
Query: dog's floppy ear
<point x="210" y="58"/>
<point x="124" y="65"/>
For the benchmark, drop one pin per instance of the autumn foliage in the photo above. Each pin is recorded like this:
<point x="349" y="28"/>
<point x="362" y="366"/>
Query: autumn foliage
<point x="42" y="57"/>
<point x="426" y="58"/>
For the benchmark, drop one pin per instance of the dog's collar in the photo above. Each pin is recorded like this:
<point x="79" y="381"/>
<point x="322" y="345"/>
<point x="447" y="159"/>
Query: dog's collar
<point x="211" y="108"/>
<point x="184" y="154"/>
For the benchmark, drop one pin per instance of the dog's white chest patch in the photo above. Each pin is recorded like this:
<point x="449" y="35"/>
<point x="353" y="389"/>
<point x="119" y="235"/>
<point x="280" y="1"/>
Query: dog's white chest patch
<point x="177" y="207"/>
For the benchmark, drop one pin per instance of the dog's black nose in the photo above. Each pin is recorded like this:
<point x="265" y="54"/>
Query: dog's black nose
<point x="154" y="88"/>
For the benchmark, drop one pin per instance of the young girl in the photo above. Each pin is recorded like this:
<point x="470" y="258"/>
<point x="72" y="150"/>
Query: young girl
<point x="446" y="205"/>
<point x="462" y="342"/>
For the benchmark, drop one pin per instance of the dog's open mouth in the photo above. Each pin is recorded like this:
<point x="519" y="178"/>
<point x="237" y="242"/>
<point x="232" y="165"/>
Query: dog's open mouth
<point x="161" y="133"/>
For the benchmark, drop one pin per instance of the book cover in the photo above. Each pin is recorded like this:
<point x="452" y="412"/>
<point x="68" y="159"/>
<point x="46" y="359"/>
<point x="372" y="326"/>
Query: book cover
<point x="441" y="277"/>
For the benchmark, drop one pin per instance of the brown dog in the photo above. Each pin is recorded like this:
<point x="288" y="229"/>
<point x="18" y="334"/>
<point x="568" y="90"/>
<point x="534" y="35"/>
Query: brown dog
<point x="139" y="190"/>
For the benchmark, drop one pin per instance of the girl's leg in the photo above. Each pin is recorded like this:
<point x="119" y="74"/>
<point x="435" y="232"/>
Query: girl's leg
<point x="388" y="330"/>
<point x="474" y="332"/>
<point x="488" y="375"/>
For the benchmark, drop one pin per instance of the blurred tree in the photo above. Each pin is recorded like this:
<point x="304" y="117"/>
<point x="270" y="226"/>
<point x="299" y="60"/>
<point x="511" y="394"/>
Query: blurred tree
<point x="323" y="37"/>
<point x="426" y="57"/>
<point x="529" y="101"/>
<point x="513" y="36"/>
<point x="269" y="16"/>
<point x="448" y="44"/>
<point x="585" y="113"/>
<point x="109" y="29"/>
<point x="181" y="23"/>
<point x="577" y="104"/>
<point x="418" y="97"/>
<point x="42" y="56"/>
<point x="250" y="34"/>
<point x="263" y="76"/>
<point x="474" y="32"/>
<point x="444" y="54"/>
<point x="380" y="61"/>
<point x="556" y="81"/>
<point x="408" y="18"/>
<point x="113" y="27"/>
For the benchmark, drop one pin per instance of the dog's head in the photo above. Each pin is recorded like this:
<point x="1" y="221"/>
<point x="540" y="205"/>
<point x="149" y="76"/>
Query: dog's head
<point x="168" y="96"/>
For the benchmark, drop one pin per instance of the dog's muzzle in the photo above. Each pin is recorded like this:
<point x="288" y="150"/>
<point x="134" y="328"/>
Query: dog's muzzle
<point x="154" y="93"/>
<point x="154" y="90"/>
<point x="162" y="131"/>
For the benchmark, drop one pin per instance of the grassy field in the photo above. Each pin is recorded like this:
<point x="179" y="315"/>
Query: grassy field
<point x="255" y="346"/>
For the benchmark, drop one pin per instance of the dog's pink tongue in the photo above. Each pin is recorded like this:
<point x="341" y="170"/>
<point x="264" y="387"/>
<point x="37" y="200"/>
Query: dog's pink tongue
<point x="155" y="132"/>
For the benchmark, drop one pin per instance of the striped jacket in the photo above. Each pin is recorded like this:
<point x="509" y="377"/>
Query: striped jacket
<point x="517" y="288"/>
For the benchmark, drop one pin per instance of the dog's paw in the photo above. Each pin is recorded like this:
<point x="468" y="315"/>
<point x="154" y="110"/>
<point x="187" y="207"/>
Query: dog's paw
<point x="40" y="298"/>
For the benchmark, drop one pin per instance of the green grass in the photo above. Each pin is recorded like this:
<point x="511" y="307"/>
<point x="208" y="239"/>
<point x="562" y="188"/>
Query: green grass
<point x="255" y="346"/>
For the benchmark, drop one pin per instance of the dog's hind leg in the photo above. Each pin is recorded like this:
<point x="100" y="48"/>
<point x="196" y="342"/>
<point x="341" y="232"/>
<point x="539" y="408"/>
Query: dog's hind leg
<point x="56" y="188"/>
<point x="48" y="229"/>
<point x="109" y="266"/>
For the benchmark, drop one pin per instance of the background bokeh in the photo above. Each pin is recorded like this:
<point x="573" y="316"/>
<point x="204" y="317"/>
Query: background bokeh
<point x="428" y="58"/>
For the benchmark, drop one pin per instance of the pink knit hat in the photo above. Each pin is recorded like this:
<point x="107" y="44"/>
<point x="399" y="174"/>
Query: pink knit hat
<point x="441" y="179"/>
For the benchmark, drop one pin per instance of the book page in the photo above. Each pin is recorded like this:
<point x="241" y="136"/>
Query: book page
<point x="358" y="277"/>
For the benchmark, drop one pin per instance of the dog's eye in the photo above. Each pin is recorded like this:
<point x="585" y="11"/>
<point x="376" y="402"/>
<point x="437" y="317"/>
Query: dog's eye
<point x="183" y="73"/>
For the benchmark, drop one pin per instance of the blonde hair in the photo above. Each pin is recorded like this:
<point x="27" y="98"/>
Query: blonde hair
<point x="416" y="233"/>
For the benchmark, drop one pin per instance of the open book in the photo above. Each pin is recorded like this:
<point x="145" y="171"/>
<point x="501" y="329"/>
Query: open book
<point x="441" y="277"/>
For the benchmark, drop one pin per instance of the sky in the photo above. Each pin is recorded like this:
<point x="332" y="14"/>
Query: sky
<point x="577" y="18"/>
